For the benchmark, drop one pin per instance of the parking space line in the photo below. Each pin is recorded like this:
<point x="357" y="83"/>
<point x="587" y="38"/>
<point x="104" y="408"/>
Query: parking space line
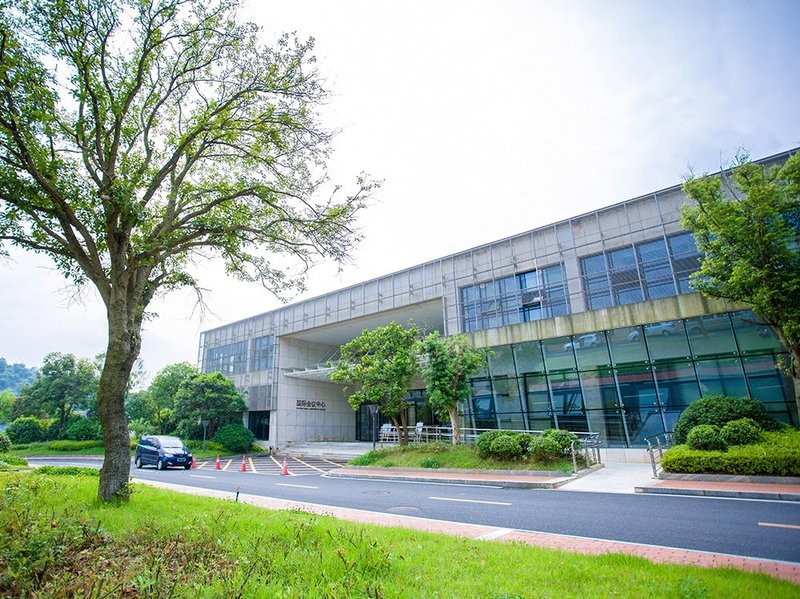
<point x="252" y="466"/>
<point x="309" y="465"/>
<point x="228" y="463"/>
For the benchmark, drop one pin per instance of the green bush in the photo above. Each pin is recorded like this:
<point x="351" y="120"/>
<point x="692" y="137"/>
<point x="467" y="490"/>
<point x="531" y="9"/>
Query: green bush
<point x="431" y="463"/>
<point x="525" y="440"/>
<point x="719" y="410"/>
<point x="84" y="429"/>
<point x="212" y="446"/>
<point x="543" y="449"/>
<point x="67" y="445"/>
<point x="26" y="429"/>
<point x="562" y="438"/>
<point x="743" y="431"/>
<point x="67" y="471"/>
<point x="12" y="460"/>
<point x="141" y="427"/>
<point x="506" y="447"/>
<point x="235" y="438"/>
<point x="777" y="455"/>
<point x="5" y="442"/>
<point x="483" y="444"/>
<point x="706" y="437"/>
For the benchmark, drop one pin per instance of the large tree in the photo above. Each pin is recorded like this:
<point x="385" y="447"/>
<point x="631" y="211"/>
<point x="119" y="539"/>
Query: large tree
<point x="64" y="384"/>
<point x="207" y="397"/>
<point x="137" y="136"/>
<point x="747" y="225"/>
<point x="448" y="363"/>
<point x="381" y="364"/>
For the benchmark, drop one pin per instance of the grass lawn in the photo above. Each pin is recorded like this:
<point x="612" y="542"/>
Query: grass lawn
<point x="42" y="449"/>
<point x="443" y="455"/>
<point x="56" y="541"/>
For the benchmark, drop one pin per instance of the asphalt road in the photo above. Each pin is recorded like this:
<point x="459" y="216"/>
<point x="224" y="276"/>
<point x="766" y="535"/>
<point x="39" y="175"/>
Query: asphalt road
<point x="752" y="528"/>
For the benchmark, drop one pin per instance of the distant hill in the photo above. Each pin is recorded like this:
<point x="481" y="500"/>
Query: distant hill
<point x="14" y="376"/>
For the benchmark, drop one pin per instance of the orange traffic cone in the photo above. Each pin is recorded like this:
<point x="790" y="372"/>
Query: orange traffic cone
<point x="194" y="462"/>
<point x="244" y="466"/>
<point x="285" y="469"/>
<point x="217" y="466"/>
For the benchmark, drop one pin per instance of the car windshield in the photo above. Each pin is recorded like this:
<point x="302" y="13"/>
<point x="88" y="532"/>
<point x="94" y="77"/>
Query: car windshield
<point x="171" y="442"/>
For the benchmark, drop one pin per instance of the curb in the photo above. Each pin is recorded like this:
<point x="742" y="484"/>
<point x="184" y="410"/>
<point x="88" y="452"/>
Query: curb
<point x="795" y="497"/>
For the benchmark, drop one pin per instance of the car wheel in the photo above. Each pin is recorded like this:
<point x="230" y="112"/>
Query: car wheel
<point x="160" y="465"/>
<point x="593" y="344"/>
<point x="187" y="466"/>
<point x="138" y="461"/>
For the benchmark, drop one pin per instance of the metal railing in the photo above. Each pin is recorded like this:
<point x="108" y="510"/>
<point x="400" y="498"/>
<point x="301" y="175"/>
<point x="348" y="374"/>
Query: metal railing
<point x="656" y="448"/>
<point x="588" y="444"/>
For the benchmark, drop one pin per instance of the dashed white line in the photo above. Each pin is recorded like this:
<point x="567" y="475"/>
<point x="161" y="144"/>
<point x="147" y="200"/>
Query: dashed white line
<point x="777" y="525"/>
<point x="296" y="486"/>
<point x="470" y="500"/>
<point x="201" y="476"/>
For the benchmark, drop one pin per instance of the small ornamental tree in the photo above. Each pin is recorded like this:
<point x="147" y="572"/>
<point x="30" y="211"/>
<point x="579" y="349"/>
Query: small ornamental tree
<point x="381" y="364"/>
<point x="448" y="364"/>
<point x="211" y="397"/>
<point x="747" y="225"/>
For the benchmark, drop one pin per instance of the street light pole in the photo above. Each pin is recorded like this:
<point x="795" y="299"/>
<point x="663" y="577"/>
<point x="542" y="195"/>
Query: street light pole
<point x="373" y="413"/>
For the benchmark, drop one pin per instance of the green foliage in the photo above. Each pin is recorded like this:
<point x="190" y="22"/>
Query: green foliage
<point x="5" y="442"/>
<point x="236" y="438"/>
<point x="12" y="461"/>
<point x="211" y="397"/>
<point x="13" y="377"/>
<point x="743" y="431"/>
<point x="66" y="471"/>
<point x="26" y="429"/>
<point x="448" y="364"/>
<point x="719" y="410"/>
<point x="64" y="384"/>
<point x="431" y="463"/>
<point x="141" y="427"/>
<point x="158" y="403"/>
<point x="84" y="429"/>
<point x="748" y="230"/>
<point x="506" y="447"/>
<point x="6" y="404"/>
<point x="368" y="458"/>
<point x="562" y="438"/>
<point x="381" y="364"/>
<point x="777" y="455"/>
<point x="66" y="445"/>
<point x="706" y="437"/>
<point x="543" y="449"/>
<point x="484" y="442"/>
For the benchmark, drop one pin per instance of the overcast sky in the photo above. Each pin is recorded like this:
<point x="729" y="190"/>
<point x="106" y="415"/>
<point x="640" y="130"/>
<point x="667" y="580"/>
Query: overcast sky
<point x="484" y="119"/>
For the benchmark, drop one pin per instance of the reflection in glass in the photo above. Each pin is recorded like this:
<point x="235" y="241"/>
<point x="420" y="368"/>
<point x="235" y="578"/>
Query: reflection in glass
<point x="721" y="376"/>
<point x="677" y="388"/>
<point x="537" y="396"/>
<point x="639" y="402"/>
<point x="602" y="407"/>
<point x="559" y="353"/>
<point x="528" y="357"/>
<point x="501" y="362"/>
<point x="626" y="347"/>
<point x="753" y="334"/>
<point x="711" y="335"/>
<point x="769" y="383"/>
<point x="568" y="401"/>
<point x="482" y="404"/>
<point x="591" y="350"/>
<point x="666" y="340"/>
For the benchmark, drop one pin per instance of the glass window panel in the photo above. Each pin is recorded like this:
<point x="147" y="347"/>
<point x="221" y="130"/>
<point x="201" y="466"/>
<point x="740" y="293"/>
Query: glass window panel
<point x="753" y="334"/>
<point x="593" y="264"/>
<point x="507" y="404"/>
<point x="537" y="396"/>
<point x="722" y="376"/>
<point x="553" y="275"/>
<point x="711" y="335"/>
<point x="627" y="295"/>
<point x="528" y="357"/>
<point x="685" y="259"/>
<point x="677" y="388"/>
<point x="639" y="402"/>
<point x="666" y="340"/>
<point x="568" y="401"/>
<point x="559" y="353"/>
<point x="626" y="346"/>
<point x="482" y="404"/>
<point x="501" y="362"/>
<point x="591" y="350"/>
<point x="602" y="406"/>
<point x="623" y="258"/>
<point x="767" y="380"/>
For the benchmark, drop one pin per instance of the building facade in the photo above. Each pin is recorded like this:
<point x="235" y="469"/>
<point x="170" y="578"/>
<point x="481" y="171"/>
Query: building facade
<point x="592" y="322"/>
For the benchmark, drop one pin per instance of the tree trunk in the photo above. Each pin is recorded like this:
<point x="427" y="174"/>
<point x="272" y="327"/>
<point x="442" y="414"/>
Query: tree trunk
<point x="453" y="412"/>
<point x="124" y="344"/>
<point x="795" y="372"/>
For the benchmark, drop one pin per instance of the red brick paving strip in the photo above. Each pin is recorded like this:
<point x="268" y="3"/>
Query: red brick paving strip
<point x="667" y="555"/>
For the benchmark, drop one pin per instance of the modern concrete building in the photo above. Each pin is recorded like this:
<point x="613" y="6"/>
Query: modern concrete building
<point x="592" y="321"/>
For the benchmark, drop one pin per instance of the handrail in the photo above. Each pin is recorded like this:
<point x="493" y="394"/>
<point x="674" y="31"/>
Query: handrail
<point x="657" y="451"/>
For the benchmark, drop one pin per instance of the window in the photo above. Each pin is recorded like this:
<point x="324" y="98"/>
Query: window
<point x="228" y="359"/>
<point x="685" y="259"/>
<point x="263" y="353"/>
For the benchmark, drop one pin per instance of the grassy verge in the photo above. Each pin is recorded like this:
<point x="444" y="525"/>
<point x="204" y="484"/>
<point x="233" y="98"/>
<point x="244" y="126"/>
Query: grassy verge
<point x="444" y="455"/>
<point x="57" y="541"/>
<point x="45" y="449"/>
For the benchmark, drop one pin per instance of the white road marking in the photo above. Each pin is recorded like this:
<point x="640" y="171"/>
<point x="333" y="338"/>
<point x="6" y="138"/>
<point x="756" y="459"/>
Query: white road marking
<point x="776" y="525"/>
<point x="296" y="486"/>
<point x="201" y="476"/>
<point x="470" y="500"/>
<point x="498" y="532"/>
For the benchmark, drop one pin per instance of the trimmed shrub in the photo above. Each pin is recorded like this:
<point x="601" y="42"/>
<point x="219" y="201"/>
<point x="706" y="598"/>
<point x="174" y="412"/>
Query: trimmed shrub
<point x="5" y="442"/>
<point x="26" y="429"/>
<point x="525" y="440"/>
<point x="506" y="447"/>
<point x="235" y="438"/>
<point x="777" y="455"/>
<point x="85" y="429"/>
<point x="544" y="448"/>
<point x="484" y="442"/>
<point x="66" y="445"/>
<point x="67" y="470"/>
<point x="706" y="437"/>
<point x="743" y="431"/>
<point x="562" y="438"/>
<point x="212" y="446"/>
<point x="719" y="410"/>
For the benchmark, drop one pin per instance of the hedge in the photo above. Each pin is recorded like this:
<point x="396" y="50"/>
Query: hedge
<point x="66" y="445"/>
<point x="778" y="455"/>
<point x="719" y="410"/>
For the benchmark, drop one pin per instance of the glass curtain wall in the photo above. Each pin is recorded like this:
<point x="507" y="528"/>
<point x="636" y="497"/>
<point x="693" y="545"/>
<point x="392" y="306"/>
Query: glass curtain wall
<point x="631" y="383"/>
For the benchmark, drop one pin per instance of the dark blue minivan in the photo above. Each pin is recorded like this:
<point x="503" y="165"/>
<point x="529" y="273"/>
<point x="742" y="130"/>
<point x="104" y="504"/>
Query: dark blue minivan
<point x="162" y="451"/>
